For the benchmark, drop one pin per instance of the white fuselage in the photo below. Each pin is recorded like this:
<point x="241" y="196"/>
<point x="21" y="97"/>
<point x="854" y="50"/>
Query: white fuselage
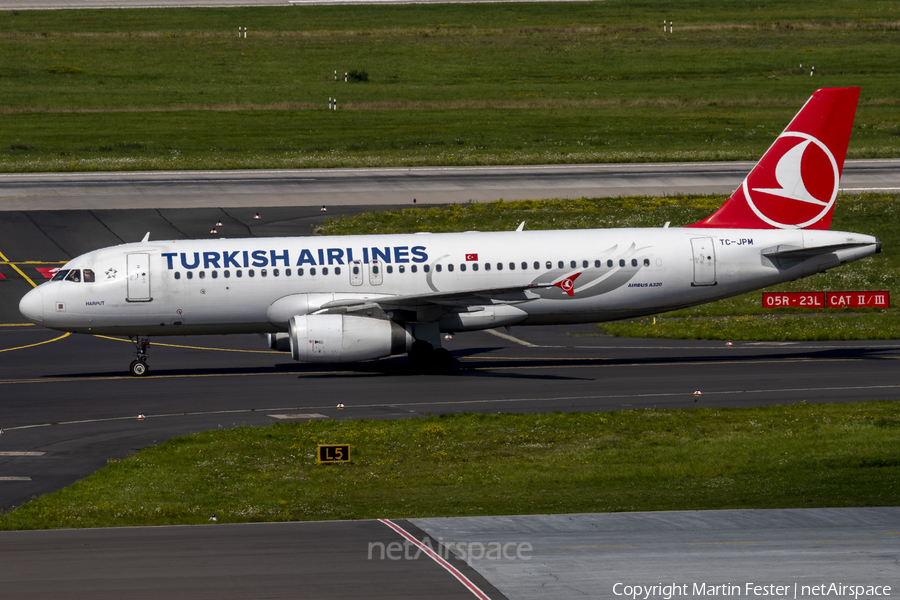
<point x="225" y="286"/>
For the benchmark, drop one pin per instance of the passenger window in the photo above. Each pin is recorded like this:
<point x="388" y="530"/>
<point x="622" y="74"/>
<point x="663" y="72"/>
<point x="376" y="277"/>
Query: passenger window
<point x="474" y="266"/>
<point x="512" y="266"/>
<point x="414" y="268"/>
<point x="390" y="268"/>
<point x="401" y="268"/>
<point x="609" y="263"/>
<point x="450" y="267"/>
<point x="499" y="266"/>
<point x="312" y="271"/>
<point x="524" y="265"/>
<point x="287" y="272"/>
<point x="561" y="264"/>
<point x="177" y="274"/>
<point x="337" y="270"/>
<point x="426" y="268"/>
<point x="251" y="273"/>
<point x="572" y="264"/>
<point x="88" y="276"/>
<point x="60" y="275"/>
<point x="74" y="275"/>
<point x="633" y="262"/>
<point x="374" y="270"/>
<point x="596" y="264"/>
<point x="263" y="272"/>
<point x="584" y="264"/>
<point x="300" y="272"/>
<point x="646" y="262"/>
<point x="227" y="273"/>
<point x="215" y="274"/>
<point x="239" y="273"/>
<point x="202" y="274"/>
<point x="324" y="271"/>
<point x="487" y="266"/>
<point x="549" y="265"/>
<point x="462" y="267"/>
<point x="275" y="272"/>
<point x="190" y="274"/>
<point x="621" y="262"/>
<point x="537" y="265"/>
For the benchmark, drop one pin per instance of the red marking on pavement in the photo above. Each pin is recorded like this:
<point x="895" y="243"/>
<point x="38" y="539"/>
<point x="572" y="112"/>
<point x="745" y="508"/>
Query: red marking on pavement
<point x="438" y="559"/>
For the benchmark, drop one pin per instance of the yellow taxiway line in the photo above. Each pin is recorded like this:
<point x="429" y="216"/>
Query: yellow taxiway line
<point x="17" y="269"/>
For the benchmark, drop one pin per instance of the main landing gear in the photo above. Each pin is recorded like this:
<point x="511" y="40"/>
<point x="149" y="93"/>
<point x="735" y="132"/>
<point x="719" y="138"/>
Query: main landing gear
<point x="425" y="357"/>
<point x="139" y="366"/>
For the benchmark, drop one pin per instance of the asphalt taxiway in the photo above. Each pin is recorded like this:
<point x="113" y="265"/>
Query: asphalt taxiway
<point x="70" y="402"/>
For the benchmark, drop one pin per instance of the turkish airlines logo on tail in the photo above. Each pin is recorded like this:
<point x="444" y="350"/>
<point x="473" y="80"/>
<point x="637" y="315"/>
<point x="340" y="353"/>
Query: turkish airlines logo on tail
<point x="568" y="284"/>
<point x="800" y="188"/>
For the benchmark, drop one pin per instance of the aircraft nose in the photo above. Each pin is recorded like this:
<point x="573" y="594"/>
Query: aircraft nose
<point x="32" y="306"/>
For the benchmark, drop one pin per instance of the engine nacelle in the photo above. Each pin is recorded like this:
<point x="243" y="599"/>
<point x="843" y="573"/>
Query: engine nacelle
<point x="345" y="338"/>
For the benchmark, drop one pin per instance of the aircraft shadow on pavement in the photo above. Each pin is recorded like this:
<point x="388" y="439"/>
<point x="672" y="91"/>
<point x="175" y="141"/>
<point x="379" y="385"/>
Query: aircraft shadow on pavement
<point x="474" y="362"/>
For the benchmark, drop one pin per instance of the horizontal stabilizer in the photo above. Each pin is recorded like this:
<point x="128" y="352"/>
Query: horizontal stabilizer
<point x="798" y="253"/>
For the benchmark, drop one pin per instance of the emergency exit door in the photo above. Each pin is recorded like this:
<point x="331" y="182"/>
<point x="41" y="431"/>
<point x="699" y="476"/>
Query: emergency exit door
<point x="138" y="277"/>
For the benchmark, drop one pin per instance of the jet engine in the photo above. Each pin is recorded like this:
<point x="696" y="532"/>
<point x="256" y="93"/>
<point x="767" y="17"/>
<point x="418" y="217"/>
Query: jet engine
<point x="345" y="338"/>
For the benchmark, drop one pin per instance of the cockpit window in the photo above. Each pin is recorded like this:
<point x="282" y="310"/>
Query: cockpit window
<point x="60" y="275"/>
<point x="74" y="275"/>
<point x="88" y="276"/>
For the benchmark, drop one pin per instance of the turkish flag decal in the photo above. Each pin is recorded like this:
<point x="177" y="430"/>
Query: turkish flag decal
<point x="471" y="257"/>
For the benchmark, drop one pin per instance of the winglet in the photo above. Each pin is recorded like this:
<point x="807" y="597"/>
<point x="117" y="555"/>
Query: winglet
<point x="146" y="237"/>
<point x="795" y="183"/>
<point x="521" y="226"/>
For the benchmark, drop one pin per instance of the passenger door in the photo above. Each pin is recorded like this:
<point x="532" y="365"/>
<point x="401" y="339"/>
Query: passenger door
<point x="138" y="277"/>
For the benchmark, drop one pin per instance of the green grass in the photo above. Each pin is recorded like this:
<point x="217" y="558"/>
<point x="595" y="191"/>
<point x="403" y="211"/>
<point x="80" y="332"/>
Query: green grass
<point x="740" y="318"/>
<point x="448" y="84"/>
<point x="707" y="458"/>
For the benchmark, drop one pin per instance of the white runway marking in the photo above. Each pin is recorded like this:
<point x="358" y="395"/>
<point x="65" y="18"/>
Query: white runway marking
<point x="22" y="453"/>
<point x="299" y="416"/>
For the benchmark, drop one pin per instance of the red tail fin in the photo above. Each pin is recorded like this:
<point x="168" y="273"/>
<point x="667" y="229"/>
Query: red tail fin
<point x="795" y="183"/>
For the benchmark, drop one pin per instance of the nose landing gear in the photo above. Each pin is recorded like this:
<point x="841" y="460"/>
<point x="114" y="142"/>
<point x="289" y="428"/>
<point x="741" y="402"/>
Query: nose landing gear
<point x="139" y="366"/>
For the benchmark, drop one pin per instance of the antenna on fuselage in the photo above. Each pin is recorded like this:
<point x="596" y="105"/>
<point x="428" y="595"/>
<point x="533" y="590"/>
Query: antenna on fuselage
<point x="146" y="237"/>
<point x="521" y="226"/>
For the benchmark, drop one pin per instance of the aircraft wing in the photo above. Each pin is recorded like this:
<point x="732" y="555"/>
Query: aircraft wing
<point x="447" y="299"/>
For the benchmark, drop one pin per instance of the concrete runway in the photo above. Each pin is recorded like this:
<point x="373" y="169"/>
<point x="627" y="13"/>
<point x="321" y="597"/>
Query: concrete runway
<point x="370" y="187"/>
<point x="597" y="556"/>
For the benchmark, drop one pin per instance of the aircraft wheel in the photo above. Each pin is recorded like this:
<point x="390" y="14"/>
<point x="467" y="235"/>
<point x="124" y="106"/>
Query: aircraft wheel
<point x="420" y="355"/>
<point x="442" y="360"/>
<point x="138" y="368"/>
